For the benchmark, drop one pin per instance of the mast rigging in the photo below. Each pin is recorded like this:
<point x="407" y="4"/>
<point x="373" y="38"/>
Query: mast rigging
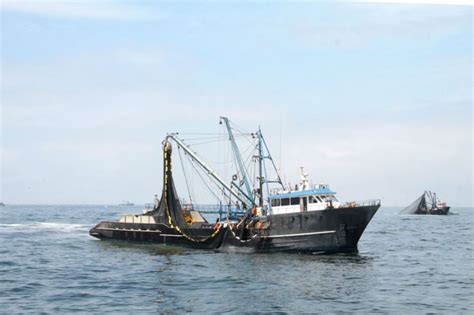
<point x="239" y="194"/>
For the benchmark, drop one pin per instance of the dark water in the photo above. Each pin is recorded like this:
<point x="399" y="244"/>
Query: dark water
<point x="406" y="264"/>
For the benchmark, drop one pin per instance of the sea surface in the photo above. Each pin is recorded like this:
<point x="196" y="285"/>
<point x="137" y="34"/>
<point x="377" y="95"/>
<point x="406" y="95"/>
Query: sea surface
<point x="406" y="264"/>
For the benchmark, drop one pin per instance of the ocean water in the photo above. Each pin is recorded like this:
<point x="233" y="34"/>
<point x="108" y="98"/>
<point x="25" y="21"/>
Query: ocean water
<point x="406" y="264"/>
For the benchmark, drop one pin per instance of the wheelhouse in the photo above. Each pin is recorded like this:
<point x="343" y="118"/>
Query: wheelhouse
<point x="316" y="198"/>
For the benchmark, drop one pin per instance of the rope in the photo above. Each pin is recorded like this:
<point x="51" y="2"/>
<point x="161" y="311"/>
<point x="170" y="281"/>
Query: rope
<point x="185" y="176"/>
<point x="239" y="239"/>
<point x="205" y="183"/>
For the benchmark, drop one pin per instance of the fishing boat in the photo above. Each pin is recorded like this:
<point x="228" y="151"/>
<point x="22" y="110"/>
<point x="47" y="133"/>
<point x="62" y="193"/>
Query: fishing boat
<point x="259" y="214"/>
<point x="427" y="203"/>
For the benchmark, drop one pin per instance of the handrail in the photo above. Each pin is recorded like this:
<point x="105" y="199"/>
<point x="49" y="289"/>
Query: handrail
<point x="360" y="203"/>
<point x="213" y="208"/>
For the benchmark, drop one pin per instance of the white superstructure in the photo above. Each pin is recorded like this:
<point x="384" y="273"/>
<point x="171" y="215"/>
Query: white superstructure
<point x="304" y="198"/>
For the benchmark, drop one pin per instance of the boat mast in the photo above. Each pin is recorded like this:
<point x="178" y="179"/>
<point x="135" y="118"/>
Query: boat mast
<point x="260" y="168"/>
<point x="264" y="153"/>
<point x="269" y="156"/>
<point x="211" y="173"/>
<point x="238" y="158"/>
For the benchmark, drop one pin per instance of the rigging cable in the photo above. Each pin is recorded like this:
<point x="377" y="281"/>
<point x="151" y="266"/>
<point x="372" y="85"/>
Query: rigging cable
<point x="205" y="183"/>
<point x="185" y="176"/>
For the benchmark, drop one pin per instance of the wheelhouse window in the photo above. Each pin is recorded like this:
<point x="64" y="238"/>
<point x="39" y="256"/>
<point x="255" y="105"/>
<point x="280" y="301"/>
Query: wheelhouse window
<point x="276" y="202"/>
<point x="295" y="201"/>
<point x="320" y="200"/>
<point x="312" y="199"/>
<point x="285" y="201"/>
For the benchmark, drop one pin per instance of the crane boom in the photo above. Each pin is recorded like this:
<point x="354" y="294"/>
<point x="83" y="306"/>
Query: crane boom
<point x="238" y="158"/>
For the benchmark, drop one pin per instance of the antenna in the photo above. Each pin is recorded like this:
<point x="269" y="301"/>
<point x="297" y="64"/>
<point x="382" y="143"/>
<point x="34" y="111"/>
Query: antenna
<point x="279" y="158"/>
<point x="304" y="179"/>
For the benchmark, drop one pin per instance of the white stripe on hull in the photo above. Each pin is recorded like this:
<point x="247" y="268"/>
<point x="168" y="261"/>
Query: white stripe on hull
<point x="147" y="231"/>
<point x="129" y="230"/>
<point x="172" y="235"/>
<point x="300" y="234"/>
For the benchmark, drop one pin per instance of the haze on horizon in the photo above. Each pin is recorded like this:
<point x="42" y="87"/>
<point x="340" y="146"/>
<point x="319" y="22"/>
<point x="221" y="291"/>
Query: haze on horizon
<point x="375" y="99"/>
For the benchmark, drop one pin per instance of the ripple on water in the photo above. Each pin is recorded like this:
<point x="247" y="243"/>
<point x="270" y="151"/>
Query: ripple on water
<point x="406" y="264"/>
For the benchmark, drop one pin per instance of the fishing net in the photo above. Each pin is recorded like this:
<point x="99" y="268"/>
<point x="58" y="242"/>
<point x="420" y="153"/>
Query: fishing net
<point x="415" y="205"/>
<point x="169" y="210"/>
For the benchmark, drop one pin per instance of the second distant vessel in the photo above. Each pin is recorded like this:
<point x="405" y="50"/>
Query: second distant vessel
<point x="427" y="203"/>
<point x="127" y="203"/>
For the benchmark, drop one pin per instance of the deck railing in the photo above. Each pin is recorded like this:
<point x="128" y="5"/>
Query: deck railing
<point x="133" y="218"/>
<point x="213" y="208"/>
<point x="361" y="203"/>
<point x="223" y="209"/>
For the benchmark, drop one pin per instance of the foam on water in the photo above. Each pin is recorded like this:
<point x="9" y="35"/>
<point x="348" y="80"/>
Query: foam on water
<point x="53" y="226"/>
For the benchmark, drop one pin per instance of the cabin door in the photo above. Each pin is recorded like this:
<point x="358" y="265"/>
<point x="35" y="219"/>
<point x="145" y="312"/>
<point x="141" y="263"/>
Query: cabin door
<point x="304" y="204"/>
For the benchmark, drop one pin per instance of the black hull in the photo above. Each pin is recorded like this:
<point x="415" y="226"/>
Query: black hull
<point x="155" y="233"/>
<point x="437" y="211"/>
<point x="326" y="231"/>
<point x="331" y="230"/>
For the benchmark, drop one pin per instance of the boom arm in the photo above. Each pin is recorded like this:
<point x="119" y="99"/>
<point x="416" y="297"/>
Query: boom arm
<point x="238" y="157"/>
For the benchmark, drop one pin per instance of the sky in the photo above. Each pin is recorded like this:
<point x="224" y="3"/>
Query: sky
<point x="374" y="98"/>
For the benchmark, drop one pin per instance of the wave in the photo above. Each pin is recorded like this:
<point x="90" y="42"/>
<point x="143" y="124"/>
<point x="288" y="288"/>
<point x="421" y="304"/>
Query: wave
<point x="52" y="226"/>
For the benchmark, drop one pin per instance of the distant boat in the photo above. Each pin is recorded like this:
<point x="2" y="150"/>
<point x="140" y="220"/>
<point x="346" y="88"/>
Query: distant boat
<point x="127" y="203"/>
<point x="427" y="203"/>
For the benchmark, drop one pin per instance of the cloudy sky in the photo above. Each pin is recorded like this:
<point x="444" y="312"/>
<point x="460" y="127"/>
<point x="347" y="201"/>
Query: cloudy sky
<point x="375" y="99"/>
